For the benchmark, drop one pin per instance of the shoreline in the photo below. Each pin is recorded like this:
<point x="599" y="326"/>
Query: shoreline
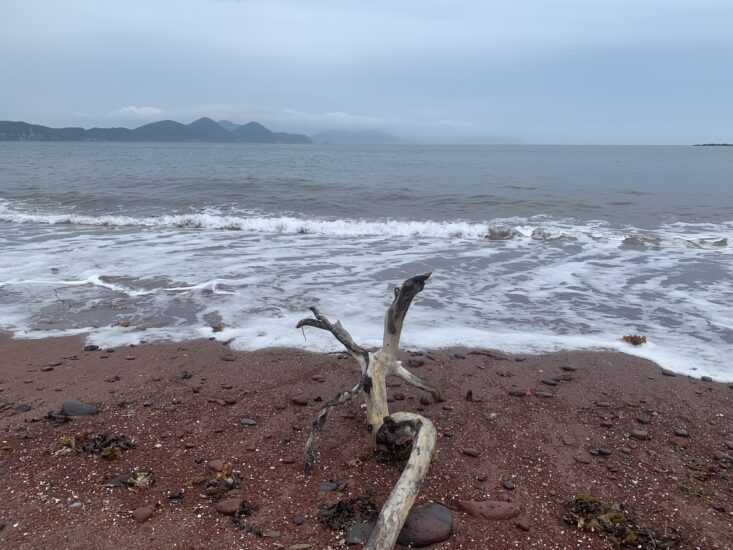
<point x="182" y="403"/>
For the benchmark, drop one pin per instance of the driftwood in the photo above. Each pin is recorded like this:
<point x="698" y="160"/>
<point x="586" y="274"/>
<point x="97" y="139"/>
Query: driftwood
<point x="387" y="429"/>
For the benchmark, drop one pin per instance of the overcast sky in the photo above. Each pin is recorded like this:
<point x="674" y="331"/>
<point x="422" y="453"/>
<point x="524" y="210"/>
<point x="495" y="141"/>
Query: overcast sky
<point x="536" y="71"/>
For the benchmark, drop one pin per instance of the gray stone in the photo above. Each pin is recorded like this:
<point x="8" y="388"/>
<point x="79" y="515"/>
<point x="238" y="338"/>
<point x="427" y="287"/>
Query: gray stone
<point x="23" y="407"/>
<point x="77" y="408"/>
<point x="248" y="422"/>
<point x="359" y="533"/>
<point x="641" y="435"/>
<point x="426" y="525"/>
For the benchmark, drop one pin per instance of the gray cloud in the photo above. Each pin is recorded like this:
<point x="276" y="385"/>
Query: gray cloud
<point x="567" y="71"/>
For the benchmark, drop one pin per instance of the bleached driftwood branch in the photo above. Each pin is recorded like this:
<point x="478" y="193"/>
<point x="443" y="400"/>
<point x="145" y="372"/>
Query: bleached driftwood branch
<point x="387" y="429"/>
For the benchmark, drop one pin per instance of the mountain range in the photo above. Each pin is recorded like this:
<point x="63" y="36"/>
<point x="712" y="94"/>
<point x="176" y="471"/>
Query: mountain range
<point x="201" y="130"/>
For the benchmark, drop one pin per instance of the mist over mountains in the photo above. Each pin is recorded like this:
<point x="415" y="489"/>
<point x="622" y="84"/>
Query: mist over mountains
<point x="203" y="130"/>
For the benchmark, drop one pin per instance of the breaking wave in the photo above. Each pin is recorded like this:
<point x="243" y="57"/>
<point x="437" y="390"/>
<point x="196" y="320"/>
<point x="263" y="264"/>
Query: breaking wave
<point x="538" y="228"/>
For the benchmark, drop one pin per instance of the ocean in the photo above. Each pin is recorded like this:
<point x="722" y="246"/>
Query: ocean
<point x="532" y="248"/>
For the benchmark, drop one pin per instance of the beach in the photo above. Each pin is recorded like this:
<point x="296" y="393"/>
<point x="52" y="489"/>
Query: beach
<point x="604" y="424"/>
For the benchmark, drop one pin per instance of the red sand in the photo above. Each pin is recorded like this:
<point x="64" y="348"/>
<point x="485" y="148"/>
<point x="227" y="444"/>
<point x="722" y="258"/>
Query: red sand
<point x="546" y="446"/>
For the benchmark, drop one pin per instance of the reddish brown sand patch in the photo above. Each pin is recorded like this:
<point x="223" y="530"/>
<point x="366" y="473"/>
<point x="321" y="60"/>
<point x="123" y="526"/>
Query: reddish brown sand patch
<point x="182" y="405"/>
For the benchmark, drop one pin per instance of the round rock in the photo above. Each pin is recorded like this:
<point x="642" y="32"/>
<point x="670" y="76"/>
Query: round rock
<point x="144" y="513"/>
<point x="426" y="525"/>
<point x="229" y="506"/>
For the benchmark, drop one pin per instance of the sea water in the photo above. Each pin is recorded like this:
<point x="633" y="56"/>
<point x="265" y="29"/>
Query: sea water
<point x="532" y="248"/>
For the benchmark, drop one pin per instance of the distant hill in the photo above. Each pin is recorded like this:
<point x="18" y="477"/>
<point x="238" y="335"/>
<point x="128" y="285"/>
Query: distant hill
<point x="364" y="137"/>
<point x="201" y="130"/>
<point x="254" y="132"/>
<point x="228" y="125"/>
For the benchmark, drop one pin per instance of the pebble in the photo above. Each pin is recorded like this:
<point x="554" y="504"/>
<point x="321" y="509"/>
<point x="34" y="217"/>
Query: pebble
<point x="568" y="368"/>
<point x="641" y="435"/>
<point x="248" y="422"/>
<point x="298" y="520"/>
<point x="544" y="394"/>
<point x="301" y="401"/>
<point x="144" y="513"/>
<point x="426" y="525"/>
<point x="228" y="506"/>
<point x="508" y="485"/>
<point x="359" y="533"/>
<point x="23" y="407"/>
<point x="46" y="368"/>
<point x="679" y="432"/>
<point x="603" y="404"/>
<point x="216" y="465"/>
<point x="77" y="408"/>
<point x="448" y="434"/>
<point x="720" y="455"/>
<point x="424" y="400"/>
<point x="706" y="379"/>
<point x="447" y="407"/>
<point x="288" y="460"/>
<point x="626" y="450"/>
<point x="728" y="443"/>
<point x="666" y="372"/>
<point x="643" y="419"/>
<point x="582" y="459"/>
<point x="605" y="451"/>
<point x="490" y="509"/>
<point x="91" y="347"/>
<point x="549" y="382"/>
<point x="607" y="424"/>
<point x="415" y="362"/>
<point x="75" y="505"/>
<point x="521" y="525"/>
<point x="328" y="486"/>
<point x="228" y="358"/>
<point x="470" y="451"/>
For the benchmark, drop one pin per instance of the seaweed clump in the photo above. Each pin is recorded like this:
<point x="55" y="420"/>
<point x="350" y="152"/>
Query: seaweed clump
<point x="107" y="446"/>
<point x="344" y="513"/>
<point x="618" y="525"/>
<point x="220" y="484"/>
<point x="634" y="339"/>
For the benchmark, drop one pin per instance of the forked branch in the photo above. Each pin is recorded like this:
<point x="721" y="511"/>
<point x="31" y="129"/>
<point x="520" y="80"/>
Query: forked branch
<point x="375" y="368"/>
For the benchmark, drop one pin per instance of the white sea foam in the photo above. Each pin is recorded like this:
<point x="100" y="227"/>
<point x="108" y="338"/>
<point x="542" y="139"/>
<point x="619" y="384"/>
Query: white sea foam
<point x="551" y="284"/>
